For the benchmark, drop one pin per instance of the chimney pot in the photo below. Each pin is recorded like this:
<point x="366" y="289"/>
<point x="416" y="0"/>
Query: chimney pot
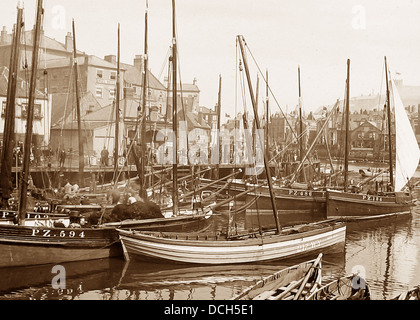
<point x="138" y="62"/>
<point x="3" y="36"/>
<point x="111" y="58"/>
<point x="69" y="42"/>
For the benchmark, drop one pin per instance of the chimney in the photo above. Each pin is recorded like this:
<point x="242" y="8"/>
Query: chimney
<point x="3" y="36"/>
<point x="111" y="58"/>
<point x="195" y="81"/>
<point x="69" y="42"/>
<point x="138" y="62"/>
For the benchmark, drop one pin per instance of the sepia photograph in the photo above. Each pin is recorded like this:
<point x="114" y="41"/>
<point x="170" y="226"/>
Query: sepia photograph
<point x="209" y="155"/>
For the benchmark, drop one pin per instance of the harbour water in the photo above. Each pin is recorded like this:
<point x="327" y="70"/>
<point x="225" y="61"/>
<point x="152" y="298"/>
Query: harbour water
<point x="388" y="254"/>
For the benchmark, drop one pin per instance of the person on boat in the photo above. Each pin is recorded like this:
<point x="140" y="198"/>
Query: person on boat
<point x="114" y="195"/>
<point x="132" y="200"/>
<point x="68" y="190"/>
<point x="196" y="203"/>
<point x="75" y="189"/>
<point x="31" y="185"/>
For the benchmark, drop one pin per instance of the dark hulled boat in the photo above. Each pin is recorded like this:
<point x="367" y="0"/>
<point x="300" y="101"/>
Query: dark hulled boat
<point x="407" y="154"/>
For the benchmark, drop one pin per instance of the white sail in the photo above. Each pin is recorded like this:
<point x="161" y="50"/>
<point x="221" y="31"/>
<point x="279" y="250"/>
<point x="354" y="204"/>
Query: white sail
<point x="407" y="148"/>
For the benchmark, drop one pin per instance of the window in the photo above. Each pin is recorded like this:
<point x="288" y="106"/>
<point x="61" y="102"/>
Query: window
<point x="113" y="75"/>
<point x="24" y="111"/>
<point x="99" y="92"/>
<point x="99" y="73"/>
<point x="37" y="111"/>
<point x="112" y="93"/>
<point x="3" y="108"/>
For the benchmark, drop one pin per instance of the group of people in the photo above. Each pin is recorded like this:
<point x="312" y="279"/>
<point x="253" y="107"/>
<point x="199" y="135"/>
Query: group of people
<point x="70" y="191"/>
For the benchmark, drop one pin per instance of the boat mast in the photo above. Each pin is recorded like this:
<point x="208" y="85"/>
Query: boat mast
<point x="257" y="122"/>
<point x="79" y="122"/>
<point x="174" y="117"/>
<point x="388" y="110"/>
<point x="143" y="193"/>
<point x="301" y="154"/>
<point x="346" y="146"/>
<point x="30" y="115"/>
<point x="117" y="112"/>
<point x="267" y="110"/>
<point x="9" y="125"/>
<point x="300" y="119"/>
<point x="218" y="145"/>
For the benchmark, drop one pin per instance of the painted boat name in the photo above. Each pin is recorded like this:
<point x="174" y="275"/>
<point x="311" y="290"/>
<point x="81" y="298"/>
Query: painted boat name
<point x="309" y="246"/>
<point x="62" y="234"/>
<point x="300" y="193"/>
<point x="371" y="198"/>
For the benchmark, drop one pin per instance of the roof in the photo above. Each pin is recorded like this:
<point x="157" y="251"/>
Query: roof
<point x="188" y="87"/>
<point x="45" y="42"/>
<point x="193" y="121"/>
<point x="364" y="124"/>
<point x="22" y="86"/>
<point x="92" y="61"/>
<point x="135" y="76"/>
<point x="63" y="106"/>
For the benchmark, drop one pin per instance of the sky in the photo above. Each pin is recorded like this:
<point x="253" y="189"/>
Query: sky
<point x="317" y="35"/>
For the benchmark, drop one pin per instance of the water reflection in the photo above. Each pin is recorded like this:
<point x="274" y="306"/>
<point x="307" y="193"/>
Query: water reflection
<point x="388" y="252"/>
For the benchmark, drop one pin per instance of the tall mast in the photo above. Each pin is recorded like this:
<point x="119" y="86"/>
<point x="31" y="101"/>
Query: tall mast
<point x="79" y="122"/>
<point x="346" y="145"/>
<point x="254" y="134"/>
<point x="300" y="119"/>
<point x="174" y="117"/>
<point x="267" y="117"/>
<point x="388" y="109"/>
<point x="218" y="111"/>
<point x="9" y="125"/>
<point x="143" y="192"/>
<point x="267" y="169"/>
<point x="117" y="111"/>
<point x="30" y="115"/>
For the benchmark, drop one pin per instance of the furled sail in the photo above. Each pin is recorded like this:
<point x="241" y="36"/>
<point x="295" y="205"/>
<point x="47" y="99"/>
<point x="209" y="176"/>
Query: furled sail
<point x="407" y="149"/>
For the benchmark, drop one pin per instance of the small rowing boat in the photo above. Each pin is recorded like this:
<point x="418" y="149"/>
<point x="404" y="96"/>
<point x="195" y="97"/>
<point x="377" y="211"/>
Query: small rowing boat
<point x="292" y="283"/>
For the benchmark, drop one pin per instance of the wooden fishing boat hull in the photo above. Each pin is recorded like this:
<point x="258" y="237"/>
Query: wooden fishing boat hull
<point x="292" y="199"/>
<point x="266" y="287"/>
<point x="293" y="205"/>
<point x="355" y="204"/>
<point x="362" y="222"/>
<point x="345" y="288"/>
<point x="27" y="246"/>
<point x="8" y="217"/>
<point x="183" y="223"/>
<point x="212" y="249"/>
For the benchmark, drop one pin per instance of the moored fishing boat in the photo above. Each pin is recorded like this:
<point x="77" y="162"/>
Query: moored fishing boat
<point x="26" y="246"/>
<point x="211" y="248"/>
<point x="399" y="199"/>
